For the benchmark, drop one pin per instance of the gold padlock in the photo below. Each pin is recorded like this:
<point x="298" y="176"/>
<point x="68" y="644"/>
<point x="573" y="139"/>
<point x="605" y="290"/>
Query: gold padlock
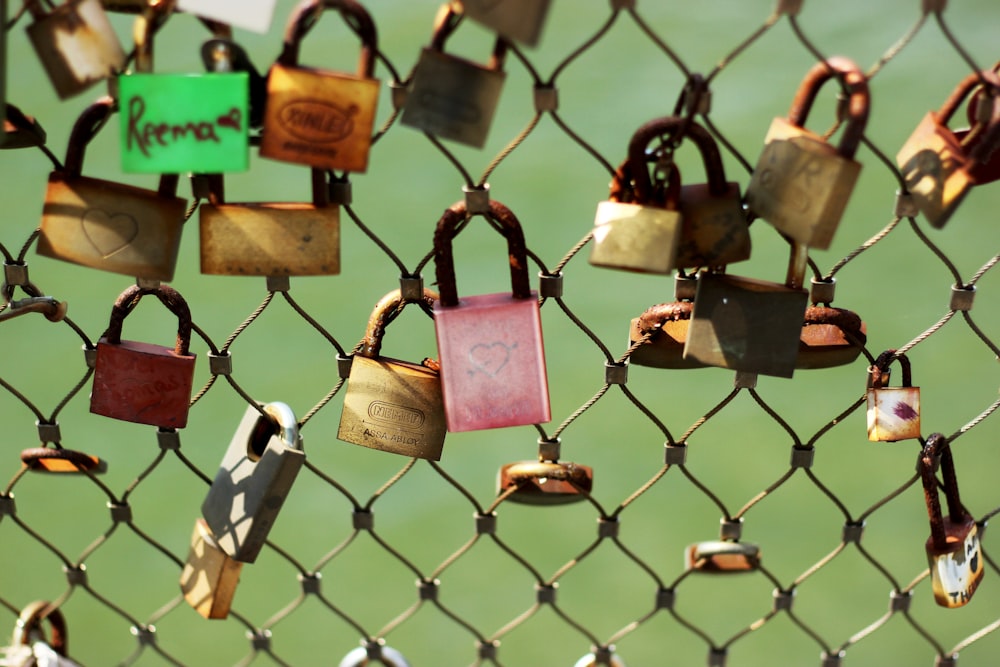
<point x="392" y="405"/>
<point x="801" y="184"/>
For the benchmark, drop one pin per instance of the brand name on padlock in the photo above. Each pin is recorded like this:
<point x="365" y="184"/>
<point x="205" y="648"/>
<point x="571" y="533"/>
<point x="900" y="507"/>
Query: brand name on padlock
<point x="146" y="135"/>
<point x="316" y="120"/>
<point x="396" y="415"/>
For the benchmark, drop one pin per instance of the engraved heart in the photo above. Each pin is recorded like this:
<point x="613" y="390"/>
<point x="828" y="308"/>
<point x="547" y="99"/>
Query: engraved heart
<point x="489" y="359"/>
<point x="109" y="233"/>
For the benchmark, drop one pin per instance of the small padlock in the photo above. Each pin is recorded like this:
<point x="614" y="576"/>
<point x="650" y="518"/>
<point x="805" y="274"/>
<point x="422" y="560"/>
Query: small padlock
<point x="668" y="323"/>
<point x="490" y="346"/>
<point x="141" y="382"/>
<point x="392" y="405"/>
<point x="106" y="225"/>
<point x="451" y="97"/>
<point x="76" y="43"/>
<point x="29" y="645"/>
<point x="270" y="238"/>
<point x="319" y="117"/>
<point x="747" y="324"/>
<point x="59" y="460"/>
<point x="830" y="337"/>
<point x="518" y="20"/>
<point x="722" y="557"/>
<point x="178" y="123"/>
<point x="801" y="184"/>
<point x="253" y="15"/>
<point x="936" y="163"/>
<point x="545" y="482"/>
<point x="253" y="480"/>
<point x="893" y="412"/>
<point x="953" y="550"/>
<point x="210" y="576"/>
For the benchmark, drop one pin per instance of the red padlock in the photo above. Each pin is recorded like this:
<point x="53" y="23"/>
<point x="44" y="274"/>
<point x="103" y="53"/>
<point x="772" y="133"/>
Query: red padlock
<point x="141" y="382"/>
<point x="490" y="346"/>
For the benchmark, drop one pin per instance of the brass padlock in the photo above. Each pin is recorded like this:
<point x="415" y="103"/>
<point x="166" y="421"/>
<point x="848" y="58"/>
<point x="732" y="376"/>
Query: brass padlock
<point x="668" y="323"/>
<point x="253" y="480"/>
<point x="545" y="482"/>
<point x="747" y="324"/>
<point x="722" y="557"/>
<point x="142" y="382"/>
<point x="107" y="225"/>
<point x="319" y="117"/>
<point x="270" y="238"/>
<point x="893" y="412"/>
<point x="393" y="405"/>
<point x="29" y="644"/>
<point x="802" y="184"/>
<point x="518" y="20"/>
<point x="936" y="163"/>
<point x="210" y="576"/>
<point x="451" y="97"/>
<point x="76" y="43"/>
<point x="953" y="551"/>
<point x="830" y="337"/>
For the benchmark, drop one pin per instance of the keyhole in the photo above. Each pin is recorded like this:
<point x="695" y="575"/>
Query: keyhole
<point x="263" y="430"/>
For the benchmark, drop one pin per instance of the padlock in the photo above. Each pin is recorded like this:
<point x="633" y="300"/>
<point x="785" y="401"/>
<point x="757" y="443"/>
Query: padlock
<point x="722" y="557"/>
<point x="450" y="97"/>
<point x="76" y="43"/>
<point x="830" y="337"/>
<point x="596" y="660"/>
<point x="253" y="480"/>
<point x="893" y="412"/>
<point x="545" y="482"/>
<point x="367" y="656"/>
<point x="953" y="550"/>
<point x="986" y="168"/>
<point x="181" y="122"/>
<point x="802" y="184"/>
<point x="517" y="20"/>
<point x="210" y="576"/>
<point x="393" y="405"/>
<point x="253" y="15"/>
<point x="30" y="647"/>
<point x="936" y="164"/>
<point x="59" y="460"/>
<point x="270" y="238"/>
<point x="106" y="225"/>
<point x="668" y="323"/>
<point x="747" y="324"/>
<point x="490" y="346"/>
<point x="142" y="382"/>
<point x="320" y="117"/>
<point x="21" y="130"/>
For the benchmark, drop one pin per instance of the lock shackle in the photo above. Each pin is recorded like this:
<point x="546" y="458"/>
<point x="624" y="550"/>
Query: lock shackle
<point x="846" y="320"/>
<point x="169" y="297"/>
<point x="444" y="263"/>
<point x="798" y="262"/>
<point x="447" y="20"/>
<point x="635" y="165"/>
<point x="937" y="445"/>
<point x="305" y="16"/>
<point x="385" y="312"/>
<point x="318" y="182"/>
<point x="35" y="458"/>
<point x="30" y="621"/>
<point x="858" y="101"/>
<point x="655" y="317"/>
<point x="878" y="373"/>
<point x="283" y="424"/>
<point x="986" y="143"/>
<point x="153" y="17"/>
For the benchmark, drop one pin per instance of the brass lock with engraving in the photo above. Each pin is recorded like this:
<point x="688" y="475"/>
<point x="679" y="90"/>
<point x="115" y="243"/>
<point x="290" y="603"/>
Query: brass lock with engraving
<point x="802" y="184"/>
<point x="893" y="412"/>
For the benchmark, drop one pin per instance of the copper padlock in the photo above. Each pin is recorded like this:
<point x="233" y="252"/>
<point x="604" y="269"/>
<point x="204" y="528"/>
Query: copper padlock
<point x="270" y="238"/>
<point x="518" y="20"/>
<point x="545" y="482"/>
<point x="76" y="43"/>
<point x="319" y="117"/>
<point x="142" y="382"/>
<point x="937" y="164"/>
<point x="722" y="557"/>
<point x="393" y="405"/>
<point x="209" y="578"/>
<point x="668" y="325"/>
<point x="953" y="551"/>
<point x="490" y="346"/>
<point x="802" y="184"/>
<point x="107" y="225"/>
<point x="893" y="412"/>
<point x="451" y="97"/>
<point x="830" y="337"/>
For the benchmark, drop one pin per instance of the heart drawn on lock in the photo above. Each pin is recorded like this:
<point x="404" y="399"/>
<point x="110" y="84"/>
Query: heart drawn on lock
<point x="489" y="358"/>
<point x="109" y="233"/>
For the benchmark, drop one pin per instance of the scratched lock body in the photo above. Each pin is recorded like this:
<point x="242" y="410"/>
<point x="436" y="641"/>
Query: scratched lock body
<point x="76" y="43"/>
<point x="893" y="412"/>
<point x="209" y="578"/>
<point x="141" y="382"/>
<point x="319" y="117"/>
<point x="106" y="225"/>
<point x="802" y="184"/>
<point x="490" y="346"/>
<point x="390" y="404"/>
<point x="253" y="480"/>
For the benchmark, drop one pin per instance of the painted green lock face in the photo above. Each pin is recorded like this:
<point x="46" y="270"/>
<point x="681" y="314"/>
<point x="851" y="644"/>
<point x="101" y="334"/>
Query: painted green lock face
<point x="179" y="123"/>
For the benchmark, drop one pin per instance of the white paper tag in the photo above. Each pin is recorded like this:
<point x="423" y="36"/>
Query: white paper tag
<point x="254" y="15"/>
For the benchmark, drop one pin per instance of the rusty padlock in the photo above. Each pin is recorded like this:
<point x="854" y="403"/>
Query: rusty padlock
<point x="451" y="97"/>
<point x="393" y="405"/>
<point x="209" y="578"/>
<point x="937" y="164"/>
<point x="518" y="20"/>
<point x="722" y="557"/>
<point x="76" y="43"/>
<point x="545" y="482"/>
<point x="980" y="109"/>
<point x="270" y="238"/>
<point x="490" y="346"/>
<point x="142" y="382"/>
<point x="107" y="225"/>
<point x="59" y="461"/>
<point x="802" y="184"/>
<point x="893" y="412"/>
<point x="830" y="337"/>
<point x="953" y="551"/>
<point x="668" y="323"/>
<point x="320" y="117"/>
